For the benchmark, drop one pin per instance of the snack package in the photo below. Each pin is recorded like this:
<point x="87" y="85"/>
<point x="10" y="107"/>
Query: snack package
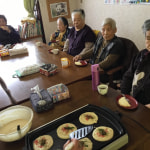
<point x="18" y="51"/>
<point x="48" y="69"/>
<point x="30" y="69"/>
<point x="58" y="92"/>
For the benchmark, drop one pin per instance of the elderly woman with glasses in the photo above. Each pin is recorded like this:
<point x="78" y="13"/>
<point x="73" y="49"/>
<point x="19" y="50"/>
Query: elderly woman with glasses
<point x="81" y="37"/>
<point x="136" y="80"/>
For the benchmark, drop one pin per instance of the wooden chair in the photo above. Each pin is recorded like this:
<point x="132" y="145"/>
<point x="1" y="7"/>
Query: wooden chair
<point x="131" y="51"/>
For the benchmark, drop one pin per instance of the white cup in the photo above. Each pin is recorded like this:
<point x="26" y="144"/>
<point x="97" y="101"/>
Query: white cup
<point x="38" y="43"/>
<point x="102" y="89"/>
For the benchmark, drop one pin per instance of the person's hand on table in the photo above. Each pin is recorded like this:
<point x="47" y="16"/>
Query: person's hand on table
<point x="76" y="58"/>
<point x="74" y="144"/>
<point x="148" y="106"/>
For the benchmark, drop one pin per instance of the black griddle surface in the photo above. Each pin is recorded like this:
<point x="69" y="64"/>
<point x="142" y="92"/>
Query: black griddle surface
<point x="106" y="118"/>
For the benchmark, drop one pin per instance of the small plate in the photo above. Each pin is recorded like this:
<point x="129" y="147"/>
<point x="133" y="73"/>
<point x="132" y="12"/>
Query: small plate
<point x="82" y="63"/>
<point x="133" y="102"/>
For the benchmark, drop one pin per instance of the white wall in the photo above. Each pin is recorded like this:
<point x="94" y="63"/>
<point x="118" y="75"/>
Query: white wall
<point x="50" y="27"/>
<point x="129" y="18"/>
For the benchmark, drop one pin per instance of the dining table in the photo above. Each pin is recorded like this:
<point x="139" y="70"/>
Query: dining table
<point x="20" y="87"/>
<point x="136" y="121"/>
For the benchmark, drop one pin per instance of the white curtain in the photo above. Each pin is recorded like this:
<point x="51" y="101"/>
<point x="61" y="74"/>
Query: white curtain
<point x="13" y="15"/>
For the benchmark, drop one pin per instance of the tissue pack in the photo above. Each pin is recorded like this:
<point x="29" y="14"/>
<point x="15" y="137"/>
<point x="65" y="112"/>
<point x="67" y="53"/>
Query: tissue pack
<point x="42" y="103"/>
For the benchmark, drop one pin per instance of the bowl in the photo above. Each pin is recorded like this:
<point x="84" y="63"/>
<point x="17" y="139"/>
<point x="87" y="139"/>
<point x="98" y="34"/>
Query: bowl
<point x="15" y="122"/>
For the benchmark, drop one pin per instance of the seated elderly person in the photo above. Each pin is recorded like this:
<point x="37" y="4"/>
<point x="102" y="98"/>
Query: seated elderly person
<point x="8" y="35"/>
<point x="58" y="38"/>
<point x="81" y="37"/>
<point x="107" y="51"/>
<point x="137" y="78"/>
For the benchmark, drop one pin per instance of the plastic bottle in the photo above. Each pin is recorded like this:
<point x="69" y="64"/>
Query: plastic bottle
<point x="95" y="76"/>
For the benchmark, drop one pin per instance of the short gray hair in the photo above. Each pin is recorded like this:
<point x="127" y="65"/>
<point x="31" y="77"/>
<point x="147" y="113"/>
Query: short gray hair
<point x="109" y="21"/>
<point x="80" y="11"/>
<point x="146" y="26"/>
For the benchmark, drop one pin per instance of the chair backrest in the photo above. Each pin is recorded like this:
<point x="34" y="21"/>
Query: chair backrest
<point x="130" y="51"/>
<point x="97" y="33"/>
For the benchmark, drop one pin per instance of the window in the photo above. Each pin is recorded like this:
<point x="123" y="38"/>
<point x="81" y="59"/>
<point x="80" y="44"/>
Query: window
<point x="14" y="11"/>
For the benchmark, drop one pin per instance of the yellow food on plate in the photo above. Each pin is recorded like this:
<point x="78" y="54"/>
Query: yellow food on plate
<point x="123" y="102"/>
<point x="65" y="129"/>
<point x="88" y="118"/>
<point x="43" y="142"/>
<point x="103" y="133"/>
<point x="78" y="63"/>
<point x="86" y="143"/>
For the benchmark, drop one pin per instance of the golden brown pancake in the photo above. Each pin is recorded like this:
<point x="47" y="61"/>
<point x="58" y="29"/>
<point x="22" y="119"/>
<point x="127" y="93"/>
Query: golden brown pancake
<point x="86" y="143"/>
<point x="88" y="118"/>
<point x="43" y="142"/>
<point x="123" y="102"/>
<point x="103" y="133"/>
<point x="65" y="129"/>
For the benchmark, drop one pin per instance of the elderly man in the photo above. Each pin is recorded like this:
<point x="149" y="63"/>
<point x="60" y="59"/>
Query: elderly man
<point x="81" y="37"/>
<point x="107" y="51"/>
<point x="137" y="79"/>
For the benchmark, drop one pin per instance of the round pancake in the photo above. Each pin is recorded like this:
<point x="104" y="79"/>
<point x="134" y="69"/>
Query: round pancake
<point x="88" y="118"/>
<point x="103" y="133"/>
<point x="87" y="143"/>
<point x="65" y="129"/>
<point x="43" y="142"/>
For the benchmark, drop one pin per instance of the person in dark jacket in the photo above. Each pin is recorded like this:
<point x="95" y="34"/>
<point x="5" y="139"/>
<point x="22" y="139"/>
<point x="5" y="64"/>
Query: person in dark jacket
<point x="8" y="35"/>
<point x="136" y="81"/>
<point x="107" y="51"/>
<point x="81" y="37"/>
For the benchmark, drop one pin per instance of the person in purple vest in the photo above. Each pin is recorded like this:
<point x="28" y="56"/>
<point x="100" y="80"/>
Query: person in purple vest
<point x="81" y="37"/>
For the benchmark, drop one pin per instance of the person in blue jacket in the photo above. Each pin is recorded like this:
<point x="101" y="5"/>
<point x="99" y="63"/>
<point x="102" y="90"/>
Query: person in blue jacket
<point x="8" y="35"/>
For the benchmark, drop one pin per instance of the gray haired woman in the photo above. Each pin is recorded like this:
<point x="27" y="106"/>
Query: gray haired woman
<point x="136" y="80"/>
<point x="81" y="37"/>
